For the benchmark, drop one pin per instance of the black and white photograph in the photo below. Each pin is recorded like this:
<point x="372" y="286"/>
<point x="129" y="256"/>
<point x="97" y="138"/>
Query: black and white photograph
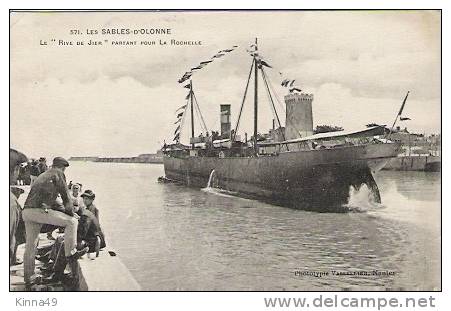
<point x="225" y="150"/>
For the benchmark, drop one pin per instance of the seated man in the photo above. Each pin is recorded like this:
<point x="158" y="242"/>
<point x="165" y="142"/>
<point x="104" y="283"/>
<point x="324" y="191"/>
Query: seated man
<point x="88" y="199"/>
<point x="89" y="234"/>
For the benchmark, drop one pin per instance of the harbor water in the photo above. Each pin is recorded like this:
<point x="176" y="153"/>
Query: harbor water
<point x="172" y="237"/>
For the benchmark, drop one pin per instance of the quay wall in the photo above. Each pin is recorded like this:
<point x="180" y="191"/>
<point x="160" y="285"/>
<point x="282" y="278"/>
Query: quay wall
<point x="131" y="160"/>
<point x="83" y="158"/>
<point x="413" y="163"/>
<point x="105" y="273"/>
<point x="139" y="159"/>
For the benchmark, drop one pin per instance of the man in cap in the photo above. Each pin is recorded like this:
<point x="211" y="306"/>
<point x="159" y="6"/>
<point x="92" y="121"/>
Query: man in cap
<point x="88" y="200"/>
<point x="16" y="158"/>
<point x="34" y="171"/>
<point x="38" y="211"/>
<point x="42" y="165"/>
<point x="89" y="233"/>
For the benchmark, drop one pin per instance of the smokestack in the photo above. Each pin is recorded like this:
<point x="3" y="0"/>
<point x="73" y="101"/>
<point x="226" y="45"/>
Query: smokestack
<point x="225" y="120"/>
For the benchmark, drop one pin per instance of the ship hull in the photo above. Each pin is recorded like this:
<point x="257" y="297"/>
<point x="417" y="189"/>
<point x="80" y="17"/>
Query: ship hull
<point x="313" y="179"/>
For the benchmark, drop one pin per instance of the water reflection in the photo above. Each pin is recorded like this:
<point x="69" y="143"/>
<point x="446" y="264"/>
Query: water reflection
<point x="176" y="238"/>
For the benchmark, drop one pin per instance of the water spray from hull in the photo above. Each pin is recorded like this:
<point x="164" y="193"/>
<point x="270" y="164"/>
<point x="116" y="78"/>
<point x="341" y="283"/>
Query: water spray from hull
<point x="210" y="183"/>
<point x="367" y="179"/>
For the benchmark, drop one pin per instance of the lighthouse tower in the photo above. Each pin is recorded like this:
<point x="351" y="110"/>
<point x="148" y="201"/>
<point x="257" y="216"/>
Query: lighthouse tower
<point x="299" y="119"/>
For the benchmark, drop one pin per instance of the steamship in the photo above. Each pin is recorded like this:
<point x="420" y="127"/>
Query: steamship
<point x="290" y="165"/>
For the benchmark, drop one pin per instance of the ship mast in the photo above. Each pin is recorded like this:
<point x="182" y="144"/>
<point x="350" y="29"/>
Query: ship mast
<point x="256" y="65"/>
<point x="192" y="112"/>
<point x="255" y="98"/>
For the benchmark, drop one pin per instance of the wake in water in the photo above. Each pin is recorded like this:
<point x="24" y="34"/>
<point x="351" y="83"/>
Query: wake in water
<point x="212" y="189"/>
<point x="220" y="192"/>
<point x="362" y="200"/>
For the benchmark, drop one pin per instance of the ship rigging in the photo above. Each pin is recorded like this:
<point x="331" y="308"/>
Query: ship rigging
<point x="291" y="164"/>
<point x="256" y="70"/>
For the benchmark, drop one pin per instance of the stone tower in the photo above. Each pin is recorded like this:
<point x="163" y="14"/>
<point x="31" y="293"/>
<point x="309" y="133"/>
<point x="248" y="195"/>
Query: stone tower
<point x="299" y="119"/>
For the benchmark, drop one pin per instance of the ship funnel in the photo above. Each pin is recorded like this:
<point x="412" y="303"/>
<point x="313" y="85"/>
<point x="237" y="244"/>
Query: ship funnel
<point x="299" y="118"/>
<point x="225" y="121"/>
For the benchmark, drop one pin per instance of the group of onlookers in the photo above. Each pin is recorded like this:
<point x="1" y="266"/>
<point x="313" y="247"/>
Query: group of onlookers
<point x="30" y="170"/>
<point x="68" y="216"/>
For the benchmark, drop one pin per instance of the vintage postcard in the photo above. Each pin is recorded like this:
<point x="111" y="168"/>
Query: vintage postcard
<point x="225" y="150"/>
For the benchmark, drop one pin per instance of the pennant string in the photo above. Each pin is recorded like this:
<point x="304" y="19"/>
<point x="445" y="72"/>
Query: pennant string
<point x="220" y="54"/>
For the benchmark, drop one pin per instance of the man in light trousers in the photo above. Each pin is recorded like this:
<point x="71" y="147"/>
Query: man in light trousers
<point x="38" y="211"/>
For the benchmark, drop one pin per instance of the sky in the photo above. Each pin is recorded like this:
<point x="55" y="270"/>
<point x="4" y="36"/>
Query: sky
<point x="121" y="100"/>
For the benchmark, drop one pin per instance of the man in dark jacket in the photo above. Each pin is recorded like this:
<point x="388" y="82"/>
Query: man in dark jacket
<point x="38" y="211"/>
<point x="34" y="171"/>
<point x="89" y="231"/>
<point x="42" y="165"/>
<point x="24" y="174"/>
<point x="89" y="234"/>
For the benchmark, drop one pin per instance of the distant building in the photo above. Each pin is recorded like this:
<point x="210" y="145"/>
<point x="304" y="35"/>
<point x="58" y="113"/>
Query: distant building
<point x="417" y="144"/>
<point x="88" y="158"/>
